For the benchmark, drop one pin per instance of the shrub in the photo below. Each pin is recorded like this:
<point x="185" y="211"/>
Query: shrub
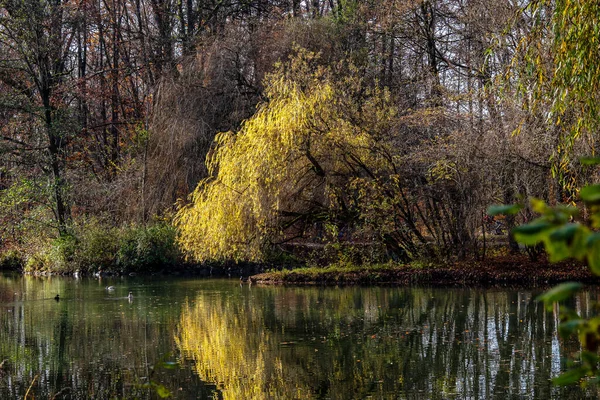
<point x="148" y="248"/>
<point x="98" y="247"/>
<point x="565" y="235"/>
<point x="11" y="260"/>
<point x="37" y="262"/>
<point x="62" y="254"/>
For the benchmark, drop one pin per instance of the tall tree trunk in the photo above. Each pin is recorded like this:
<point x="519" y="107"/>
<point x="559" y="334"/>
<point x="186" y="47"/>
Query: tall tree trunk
<point x="55" y="147"/>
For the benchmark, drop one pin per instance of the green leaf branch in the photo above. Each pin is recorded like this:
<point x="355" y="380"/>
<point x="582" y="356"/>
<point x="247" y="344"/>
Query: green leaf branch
<point x="565" y="236"/>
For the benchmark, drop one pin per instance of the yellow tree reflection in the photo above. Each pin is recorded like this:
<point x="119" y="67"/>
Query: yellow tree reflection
<point x="235" y="352"/>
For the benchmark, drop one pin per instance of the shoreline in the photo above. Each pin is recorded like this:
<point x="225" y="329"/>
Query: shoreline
<point x="500" y="271"/>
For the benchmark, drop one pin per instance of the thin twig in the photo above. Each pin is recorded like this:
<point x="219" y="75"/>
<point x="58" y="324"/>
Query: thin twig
<point x="30" y="386"/>
<point x="63" y="390"/>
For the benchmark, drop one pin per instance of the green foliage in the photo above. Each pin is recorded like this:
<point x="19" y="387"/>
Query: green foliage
<point x="148" y="248"/>
<point x="590" y="194"/>
<point x="11" y="260"/>
<point x="576" y="74"/>
<point x="570" y="377"/>
<point x="159" y="389"/>
<point x="294" y="162"/>
<point x="560" y="293"/>
<point x="510" y="209"/>
<point x="62" y="254"/>
<point x="559" y="77"/>
<point x="37" y="262"/>
<point x="24" y="210"/>
<point x="347" y="12"/>
<point x="589" y="160"/>
<point x="96" y="246"/>
<point x="331" y="272"/>
<point x="563" y="238"/>
<point x="423" y="264"/>
<point x="569" y="84"/>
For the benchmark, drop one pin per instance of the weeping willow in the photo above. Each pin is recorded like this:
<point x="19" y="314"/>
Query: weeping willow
<point x="232" y="351"/>
<point x="292" y="159"/>
<point x="559" y="77"/>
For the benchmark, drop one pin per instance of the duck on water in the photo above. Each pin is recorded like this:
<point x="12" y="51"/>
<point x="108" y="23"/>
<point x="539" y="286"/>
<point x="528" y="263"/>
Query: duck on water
<point x="129" y="296"/>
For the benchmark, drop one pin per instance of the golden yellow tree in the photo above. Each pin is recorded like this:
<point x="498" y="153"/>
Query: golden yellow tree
<point x="291" y="164"/>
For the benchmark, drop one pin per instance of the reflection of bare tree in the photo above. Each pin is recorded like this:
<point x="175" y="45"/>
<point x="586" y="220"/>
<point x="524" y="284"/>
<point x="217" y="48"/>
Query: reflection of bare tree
<point x="283" y="343"/>
<point x="82" y="349"/>
<point x="353" y="343"/>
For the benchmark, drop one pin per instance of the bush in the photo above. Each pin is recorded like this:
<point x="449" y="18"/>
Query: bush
<point x="148" y="248"/>
<point x="11" y="260"/>
<point x="37" y="262"/>
<point x="62" y="255"/>
<point x="96" y="246"/>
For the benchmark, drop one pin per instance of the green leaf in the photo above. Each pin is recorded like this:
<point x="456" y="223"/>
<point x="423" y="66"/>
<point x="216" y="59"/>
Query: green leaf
<point x="570" y="377"/>
<point x="593" y="240"/>
<point x="533" y="233"/>
<point x="539" y="206"/>
<point x="565" y="233"/>
<point x="593" y="253"/>
<point x="557" y="250"/>
<point x="569" y="210"/>
<point x="595" y="220"/>
<point x="589" y="357"/>
<point x="504" y="209"/>
<point x="162" y="391"/>
<point x="579" y="246"/>
<point x="590" y="194"/>
<point x="567" y="241"/>
<point x="559" y="292"/>
<point x="569" y="327"/>
<point x="589" y="160"/>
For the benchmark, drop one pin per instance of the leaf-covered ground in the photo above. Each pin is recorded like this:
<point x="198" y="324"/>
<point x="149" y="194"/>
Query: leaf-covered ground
<point x="509" y="270"/>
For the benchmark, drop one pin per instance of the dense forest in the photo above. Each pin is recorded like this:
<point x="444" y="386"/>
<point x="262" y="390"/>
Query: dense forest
<point x="133" y="130"/>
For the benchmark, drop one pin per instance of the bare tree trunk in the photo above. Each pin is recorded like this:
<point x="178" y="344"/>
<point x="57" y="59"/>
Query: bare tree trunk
<point x="55" y="144"/>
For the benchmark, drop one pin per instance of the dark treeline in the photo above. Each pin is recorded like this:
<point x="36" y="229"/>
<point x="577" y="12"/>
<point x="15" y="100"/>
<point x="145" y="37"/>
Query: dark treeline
<point x="108" y="110"/>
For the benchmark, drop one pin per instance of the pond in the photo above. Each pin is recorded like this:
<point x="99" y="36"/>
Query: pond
<point x="204" y="339"/>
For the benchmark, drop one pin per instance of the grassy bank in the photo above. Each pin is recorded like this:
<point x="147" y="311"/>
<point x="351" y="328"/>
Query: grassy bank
<point x="501" y="270"/>
<point x="94" y="247"/>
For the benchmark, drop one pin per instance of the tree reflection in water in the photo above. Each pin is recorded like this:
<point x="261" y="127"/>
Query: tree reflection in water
<point x="220" y="340"/>
<point x="382" y="342"/>
<point x="86" y="346"/>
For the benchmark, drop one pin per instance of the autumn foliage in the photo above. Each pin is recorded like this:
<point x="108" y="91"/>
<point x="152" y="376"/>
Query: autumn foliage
<point x="383" y="127"/>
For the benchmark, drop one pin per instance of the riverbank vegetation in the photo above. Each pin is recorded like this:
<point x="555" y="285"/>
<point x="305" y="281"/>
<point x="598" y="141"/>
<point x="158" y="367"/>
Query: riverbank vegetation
<point x="501" y="270"/>
<point x="95" y="247"/>
<point x="138" y="135"/>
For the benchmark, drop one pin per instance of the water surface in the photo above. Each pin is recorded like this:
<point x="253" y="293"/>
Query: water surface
<point x="203" y="339"/>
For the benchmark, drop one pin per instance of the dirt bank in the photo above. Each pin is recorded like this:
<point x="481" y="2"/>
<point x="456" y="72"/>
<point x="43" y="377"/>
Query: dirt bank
<point x="500" y="271"/>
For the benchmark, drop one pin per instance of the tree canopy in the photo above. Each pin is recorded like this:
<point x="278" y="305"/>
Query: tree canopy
<point x="291" y="165"/>
<point x="391" y="127"/>
<point x="329" y="154"/>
